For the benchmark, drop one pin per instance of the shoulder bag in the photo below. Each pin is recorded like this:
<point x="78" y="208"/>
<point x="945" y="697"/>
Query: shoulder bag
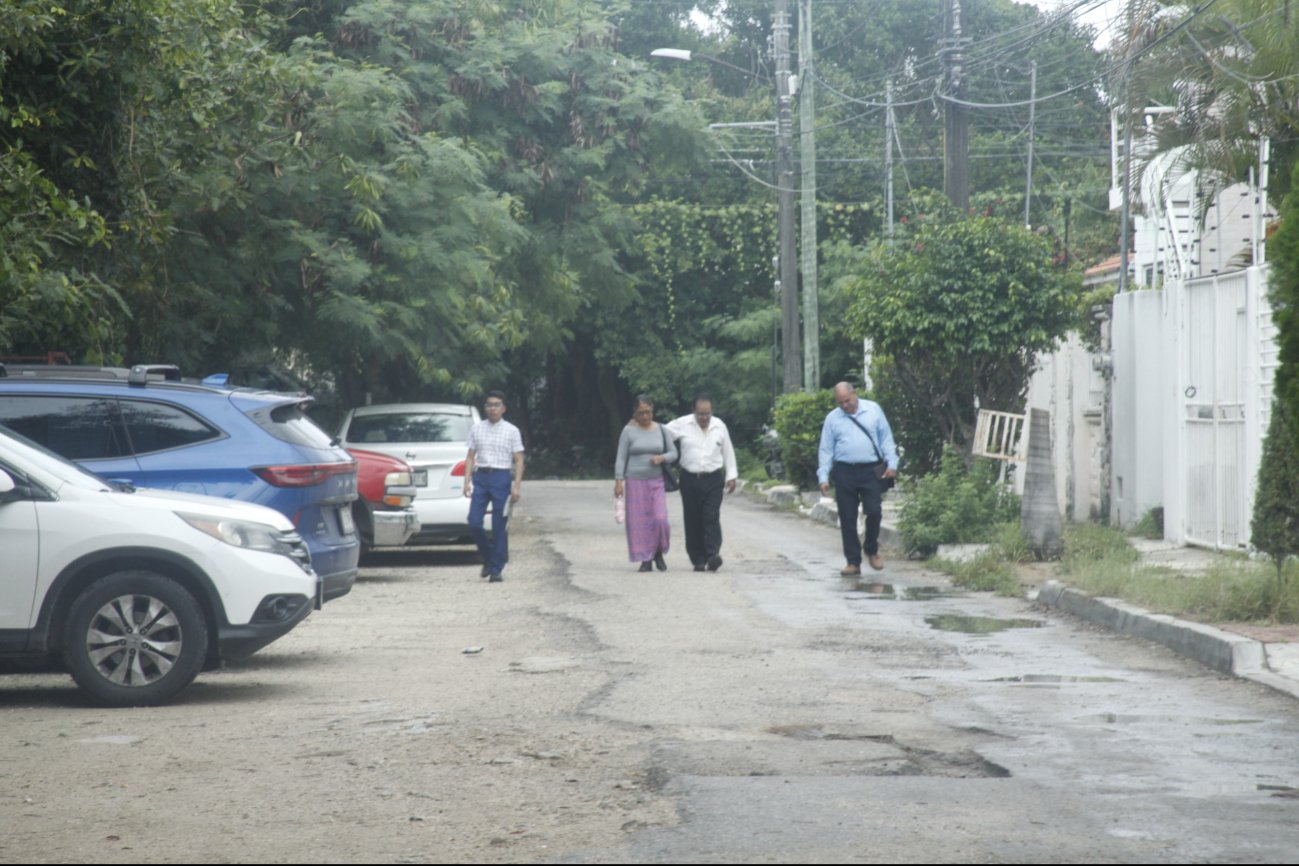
<point x="670" y="480"/>
<point x="882" y="467"/>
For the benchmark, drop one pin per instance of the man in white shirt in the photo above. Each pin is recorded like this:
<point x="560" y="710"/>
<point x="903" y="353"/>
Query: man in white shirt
<point x="708" y="471"/>
<point x="493" y="475"/>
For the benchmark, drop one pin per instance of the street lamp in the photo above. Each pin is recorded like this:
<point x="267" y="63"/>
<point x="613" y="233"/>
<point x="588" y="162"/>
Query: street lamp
<point x="791" y="342"/>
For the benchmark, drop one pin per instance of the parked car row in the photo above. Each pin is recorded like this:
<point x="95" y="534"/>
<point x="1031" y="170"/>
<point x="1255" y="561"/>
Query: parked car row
<point x="199" y="521"/>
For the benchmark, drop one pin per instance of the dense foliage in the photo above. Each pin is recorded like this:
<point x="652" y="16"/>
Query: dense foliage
<point x="798" y="419"/>
<point x="1283" y="292"/>
<point x="960" y="307"/>
<point x="959" y="504"/>
<point x="1274" y="529"/>
<point x="421" y="199"/>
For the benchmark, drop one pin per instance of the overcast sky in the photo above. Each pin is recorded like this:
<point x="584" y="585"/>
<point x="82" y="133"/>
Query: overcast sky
<point x="1104" y="15"/>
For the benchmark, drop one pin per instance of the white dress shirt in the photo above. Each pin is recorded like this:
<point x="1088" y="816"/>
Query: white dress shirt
<point x="704" y="451"/>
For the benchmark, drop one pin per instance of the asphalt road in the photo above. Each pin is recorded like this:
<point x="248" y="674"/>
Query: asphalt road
<point x="771" y="712"/>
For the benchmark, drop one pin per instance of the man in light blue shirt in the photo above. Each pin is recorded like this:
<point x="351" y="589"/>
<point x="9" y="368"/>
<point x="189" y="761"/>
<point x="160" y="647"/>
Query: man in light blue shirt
<point x="855" y="442"/>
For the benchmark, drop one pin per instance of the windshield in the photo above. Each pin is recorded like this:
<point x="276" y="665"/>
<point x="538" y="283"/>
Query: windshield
<point x="47" y="467"/>
<point x="409" y="427"/>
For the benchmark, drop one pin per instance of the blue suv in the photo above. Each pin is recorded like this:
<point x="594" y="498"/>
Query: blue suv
<point x="146" y="427"/>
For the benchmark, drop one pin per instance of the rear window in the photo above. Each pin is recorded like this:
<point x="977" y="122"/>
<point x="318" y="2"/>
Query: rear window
<point x="409" y="427"/>
<point x="289" y="422"/>
<point x="76" y="428"/>
<point x="159" y="427"/>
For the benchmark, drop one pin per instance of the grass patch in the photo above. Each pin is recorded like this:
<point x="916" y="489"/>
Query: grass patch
<point x="994" y="569"/>
<point x="987" y="572"/>
<point x="1100" y="561"/>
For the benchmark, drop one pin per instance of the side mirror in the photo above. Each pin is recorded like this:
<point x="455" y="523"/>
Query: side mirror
<point x="7" y="486"/>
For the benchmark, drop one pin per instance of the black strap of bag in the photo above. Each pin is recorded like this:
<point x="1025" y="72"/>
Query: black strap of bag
<point x="887" y="483"/>
<point x="670" y="480"/>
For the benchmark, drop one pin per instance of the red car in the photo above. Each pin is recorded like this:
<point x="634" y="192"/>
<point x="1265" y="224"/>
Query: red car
<point x="383" y="513"/>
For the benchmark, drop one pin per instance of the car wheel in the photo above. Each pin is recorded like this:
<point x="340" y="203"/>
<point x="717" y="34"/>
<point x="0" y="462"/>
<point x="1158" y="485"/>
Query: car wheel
<point x="134" y="638"/>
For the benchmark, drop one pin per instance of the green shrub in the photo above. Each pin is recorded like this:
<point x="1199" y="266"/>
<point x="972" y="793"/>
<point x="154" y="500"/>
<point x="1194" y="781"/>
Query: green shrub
<point x="960" y="504"/>
<point x="1010" y="544"/>
<point x="987" y="572"/>
<point x="1151" y="524"/>
<point x="798" y="418"/>
<point x="1276" y="503"/>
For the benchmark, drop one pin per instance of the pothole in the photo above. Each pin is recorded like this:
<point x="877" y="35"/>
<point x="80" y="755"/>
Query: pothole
<point x="891" y="592"/>
<point x="978" y="624"/>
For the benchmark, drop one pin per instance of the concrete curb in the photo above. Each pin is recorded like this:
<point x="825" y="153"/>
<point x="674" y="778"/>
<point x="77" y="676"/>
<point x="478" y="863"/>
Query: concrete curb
<point x="1214" y="648"/>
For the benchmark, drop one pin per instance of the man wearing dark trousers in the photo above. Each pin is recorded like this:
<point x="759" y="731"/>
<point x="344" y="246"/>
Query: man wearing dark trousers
<point x="708" y="471"/>
<point x="856" y="442"/>
<point x="493" y="477"/>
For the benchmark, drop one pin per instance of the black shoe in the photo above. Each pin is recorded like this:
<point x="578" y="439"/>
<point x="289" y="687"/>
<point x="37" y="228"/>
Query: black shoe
<point x="647" y="566"/>
<point x="487" y="569"/>
<point x="699" y="567"/>
<point x="714" y="562"/>
<point x="494" y="577"/>
<point x="659" y="563"/>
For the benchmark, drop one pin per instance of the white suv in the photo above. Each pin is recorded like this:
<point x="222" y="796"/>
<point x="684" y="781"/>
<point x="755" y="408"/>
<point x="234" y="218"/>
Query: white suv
<point x="135" y="592"/>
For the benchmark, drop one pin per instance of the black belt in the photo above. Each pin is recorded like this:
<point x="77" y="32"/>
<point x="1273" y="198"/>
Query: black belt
<point x="478" y="469"/>
<point x="858" y="465"/>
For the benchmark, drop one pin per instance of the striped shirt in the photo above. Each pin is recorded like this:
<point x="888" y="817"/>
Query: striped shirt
<point x="494" y="445"/>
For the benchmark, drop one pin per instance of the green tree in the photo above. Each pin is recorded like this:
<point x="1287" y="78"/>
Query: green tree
<point x="1283" y="292"/>
<point x="1274" y="529"/>
<point x="961" y="307"/>
<point x="1232" y="75"/>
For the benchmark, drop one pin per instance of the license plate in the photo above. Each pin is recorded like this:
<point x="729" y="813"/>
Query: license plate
<point x="421" y="478"/>
<point x="345" y="521"/>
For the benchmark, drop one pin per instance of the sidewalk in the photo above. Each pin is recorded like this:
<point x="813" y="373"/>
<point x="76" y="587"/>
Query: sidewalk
<point x="1265" y="654"/>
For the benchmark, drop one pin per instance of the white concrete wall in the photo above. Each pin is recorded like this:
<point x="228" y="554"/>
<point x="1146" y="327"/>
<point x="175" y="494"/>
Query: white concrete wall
<point x="1069" y="385"/>
<point x="1142" y="405"/>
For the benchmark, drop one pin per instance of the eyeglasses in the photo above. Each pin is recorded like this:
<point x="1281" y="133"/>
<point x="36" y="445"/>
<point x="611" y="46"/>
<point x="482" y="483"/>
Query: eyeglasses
<point x="494" y="404"/>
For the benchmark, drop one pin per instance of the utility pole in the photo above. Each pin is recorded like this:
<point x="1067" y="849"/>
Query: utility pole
<point x="790" y="340"/>
<point x="808" y="247"/>
<point x="956" y="124"/>
<point x="889" y="133"/>
<point x="1032" y="118"/>
<point x="1125" y="238"/>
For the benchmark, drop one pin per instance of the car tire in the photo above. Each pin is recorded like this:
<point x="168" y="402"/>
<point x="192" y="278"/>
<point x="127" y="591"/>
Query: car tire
<point x="118" y="666"/>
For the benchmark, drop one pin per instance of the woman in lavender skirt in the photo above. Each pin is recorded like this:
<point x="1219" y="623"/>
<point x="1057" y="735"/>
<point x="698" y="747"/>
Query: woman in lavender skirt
<point x="643" y="448"/>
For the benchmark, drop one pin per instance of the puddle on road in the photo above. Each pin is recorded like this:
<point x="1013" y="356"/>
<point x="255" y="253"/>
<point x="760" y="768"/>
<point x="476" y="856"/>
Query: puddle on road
<point x="1053" y="680"/>
<point x="890" y="592"/>
<point x="1132" y="719"/>
<point x="978" y="624"/>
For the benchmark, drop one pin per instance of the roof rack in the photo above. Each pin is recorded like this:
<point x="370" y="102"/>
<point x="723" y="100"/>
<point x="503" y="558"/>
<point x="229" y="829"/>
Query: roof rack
<point x="142" y="373"/>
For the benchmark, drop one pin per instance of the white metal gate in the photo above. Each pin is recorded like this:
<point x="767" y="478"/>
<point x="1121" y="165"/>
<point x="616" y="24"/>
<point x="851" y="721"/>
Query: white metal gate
<point x="1217" y="360"/>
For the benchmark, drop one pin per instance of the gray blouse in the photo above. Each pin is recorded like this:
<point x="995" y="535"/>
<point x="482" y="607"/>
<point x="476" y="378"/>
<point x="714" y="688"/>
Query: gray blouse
<point x="637" y="446"/>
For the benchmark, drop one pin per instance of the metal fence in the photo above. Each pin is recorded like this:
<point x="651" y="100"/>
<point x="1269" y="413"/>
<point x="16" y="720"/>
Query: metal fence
<point x="1193" y="365"/>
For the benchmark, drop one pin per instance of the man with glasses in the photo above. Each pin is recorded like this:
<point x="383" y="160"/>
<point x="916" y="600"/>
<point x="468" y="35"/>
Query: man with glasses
<point x="857" y="451"/>
<point x="493" y="476"/>
<point x="708" y="467"/>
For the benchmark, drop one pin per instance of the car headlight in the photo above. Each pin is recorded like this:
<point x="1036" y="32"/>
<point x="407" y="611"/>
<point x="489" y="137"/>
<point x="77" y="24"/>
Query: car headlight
<point x="243" y="533"/>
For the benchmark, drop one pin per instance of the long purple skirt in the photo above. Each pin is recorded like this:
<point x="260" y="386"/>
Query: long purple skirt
<point x="648" y="532"/>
